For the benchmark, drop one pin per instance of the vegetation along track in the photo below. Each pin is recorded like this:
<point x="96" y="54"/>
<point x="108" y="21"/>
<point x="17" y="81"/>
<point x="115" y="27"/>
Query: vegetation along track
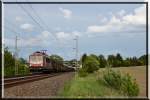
<point x="9" y="82"/>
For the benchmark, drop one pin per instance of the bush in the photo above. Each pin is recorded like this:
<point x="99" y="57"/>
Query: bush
<point x="10" y="71"/>
<point x="129" y="86"/>
<point x="82" y="73"/>
<point x="113" y="79"/>
<point x="124" y="84"/>
<point x="90" y="65"/>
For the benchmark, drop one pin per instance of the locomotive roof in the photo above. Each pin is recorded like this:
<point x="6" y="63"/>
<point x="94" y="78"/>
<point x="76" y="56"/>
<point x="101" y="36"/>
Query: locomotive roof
<point x="39" y="53"/>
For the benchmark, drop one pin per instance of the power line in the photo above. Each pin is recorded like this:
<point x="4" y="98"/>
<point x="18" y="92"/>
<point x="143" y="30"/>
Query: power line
<point x="41" y="19"/>
<point x="30" y="16"/>
<point x="36" y="14"/>
<point x="36" y="21"/>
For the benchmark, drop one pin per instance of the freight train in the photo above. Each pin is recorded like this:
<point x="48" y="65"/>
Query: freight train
<point x="40" y="62"/>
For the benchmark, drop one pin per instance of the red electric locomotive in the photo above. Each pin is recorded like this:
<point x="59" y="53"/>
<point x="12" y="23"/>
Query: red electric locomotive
<point x="40" y="62"/>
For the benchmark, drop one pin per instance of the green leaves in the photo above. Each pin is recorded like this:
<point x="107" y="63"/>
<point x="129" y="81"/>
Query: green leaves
<point x="125" y="84"/>
<point x="9" y="64"/>
<point x="56" y="58"/>
<point x="91" y="64"/>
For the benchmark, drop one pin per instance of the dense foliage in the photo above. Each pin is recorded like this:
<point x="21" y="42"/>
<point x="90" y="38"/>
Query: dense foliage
<point x="9" y="64"/>
<point x="56" y="58"/>
<point x="102" y="61"/>
<point x="8" y="58"/>
<point x="117" y="60"/>
<point x="124" y="83"/>
<point x="89" y="65"/>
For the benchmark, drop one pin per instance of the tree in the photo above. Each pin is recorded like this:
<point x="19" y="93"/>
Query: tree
<point x="126" y="62"/>
<point x="119" y="57"/>
<point x="22" y="60"/>
<point x="91" y="64"/>
<point x="111" y="60"/>
<point x="143" y="59"/>
<point x="134" y="61"/>
<point x="56" y="58"/>
<point x="9" y="60"/>
<point x="83" y="58"/>
<point x="94" y="56"/>
<point x="119" y="60"/>
<point x="102" y="61"/>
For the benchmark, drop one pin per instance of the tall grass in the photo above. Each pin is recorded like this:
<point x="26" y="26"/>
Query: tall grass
<point x="88" y="86"/>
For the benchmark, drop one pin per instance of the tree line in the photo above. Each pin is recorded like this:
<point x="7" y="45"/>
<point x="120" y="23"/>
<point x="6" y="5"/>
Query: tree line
<point x="116" y="60"/>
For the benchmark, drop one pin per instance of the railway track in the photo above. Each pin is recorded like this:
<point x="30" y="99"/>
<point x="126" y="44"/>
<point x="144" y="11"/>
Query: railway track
<point x="9" y="82"/>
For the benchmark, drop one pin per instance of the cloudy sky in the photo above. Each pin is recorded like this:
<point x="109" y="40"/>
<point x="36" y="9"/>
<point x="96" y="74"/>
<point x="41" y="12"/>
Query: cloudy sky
<point x="101" y="28"/>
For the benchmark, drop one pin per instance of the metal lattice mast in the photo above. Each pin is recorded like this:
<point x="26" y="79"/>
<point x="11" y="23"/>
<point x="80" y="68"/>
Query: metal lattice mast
<point x="76" y="49"/>
<point x="16" y="55"/>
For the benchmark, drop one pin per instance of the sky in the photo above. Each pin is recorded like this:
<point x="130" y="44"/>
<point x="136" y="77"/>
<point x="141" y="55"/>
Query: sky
<point x="101" y="29"/>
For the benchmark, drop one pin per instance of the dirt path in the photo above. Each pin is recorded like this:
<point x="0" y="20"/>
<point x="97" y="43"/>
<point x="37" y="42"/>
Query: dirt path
<point x="43" y="88"/>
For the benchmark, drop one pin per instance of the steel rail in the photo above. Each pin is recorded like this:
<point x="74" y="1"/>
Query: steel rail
<point x="21" y="80"/>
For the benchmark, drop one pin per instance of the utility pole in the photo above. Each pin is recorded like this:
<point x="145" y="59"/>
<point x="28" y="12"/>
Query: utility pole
<point x="76" y="49"/>
<point x="16" y="55"/>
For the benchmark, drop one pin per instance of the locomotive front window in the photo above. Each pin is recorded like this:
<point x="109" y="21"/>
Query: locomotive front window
<point x="36" y="59"/>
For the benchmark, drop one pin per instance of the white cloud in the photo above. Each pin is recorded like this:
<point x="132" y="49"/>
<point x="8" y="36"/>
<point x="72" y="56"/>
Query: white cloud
<point x="27" y="27"/>
<point x="66" y="12"/>
<point x="124" y="22"/>
<point x="76" y="33"/>
<point x="139" y="16"/>
<point x="45" y="34"/>
<point x="40" y="40"/>
<point x="62" y="35"/>
<point x="96" y="28"/>
<point x="18" y="19"/>
<point x="67" y="35"/>
<point x="102" y="18"/>
<point x="121" y="13"/>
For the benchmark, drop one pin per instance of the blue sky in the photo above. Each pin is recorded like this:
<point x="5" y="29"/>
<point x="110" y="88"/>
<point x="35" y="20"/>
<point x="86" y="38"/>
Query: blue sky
<point x="101" y="28"/>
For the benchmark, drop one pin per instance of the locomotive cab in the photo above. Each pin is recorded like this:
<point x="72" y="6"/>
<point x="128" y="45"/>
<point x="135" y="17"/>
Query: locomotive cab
<point x="39" y="62"/>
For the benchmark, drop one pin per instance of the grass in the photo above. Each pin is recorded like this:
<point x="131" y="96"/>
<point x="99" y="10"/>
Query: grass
<point x="88" y="86"/>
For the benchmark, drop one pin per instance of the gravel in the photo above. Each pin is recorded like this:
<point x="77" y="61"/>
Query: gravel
<point x="48" y="87"/>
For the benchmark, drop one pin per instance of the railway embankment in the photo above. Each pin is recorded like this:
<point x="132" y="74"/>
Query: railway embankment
<point x="48" y="87"/>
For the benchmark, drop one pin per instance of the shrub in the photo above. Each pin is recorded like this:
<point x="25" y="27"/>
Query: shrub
<point x="112" y="79"/>
<point x="125" y="84"/>
<point x="129" y="86"/>
<point x="82" y="73"/>
<point x="90" y="65"/>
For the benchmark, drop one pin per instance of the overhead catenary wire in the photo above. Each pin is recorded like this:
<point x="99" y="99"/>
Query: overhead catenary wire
<point x="40" y="26"/>
<point x="35" y="20"/>
<point x="35" y="12"/>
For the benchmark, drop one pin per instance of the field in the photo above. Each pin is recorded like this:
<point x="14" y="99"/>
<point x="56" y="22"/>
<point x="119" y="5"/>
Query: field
<point x="90" y="87"/>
